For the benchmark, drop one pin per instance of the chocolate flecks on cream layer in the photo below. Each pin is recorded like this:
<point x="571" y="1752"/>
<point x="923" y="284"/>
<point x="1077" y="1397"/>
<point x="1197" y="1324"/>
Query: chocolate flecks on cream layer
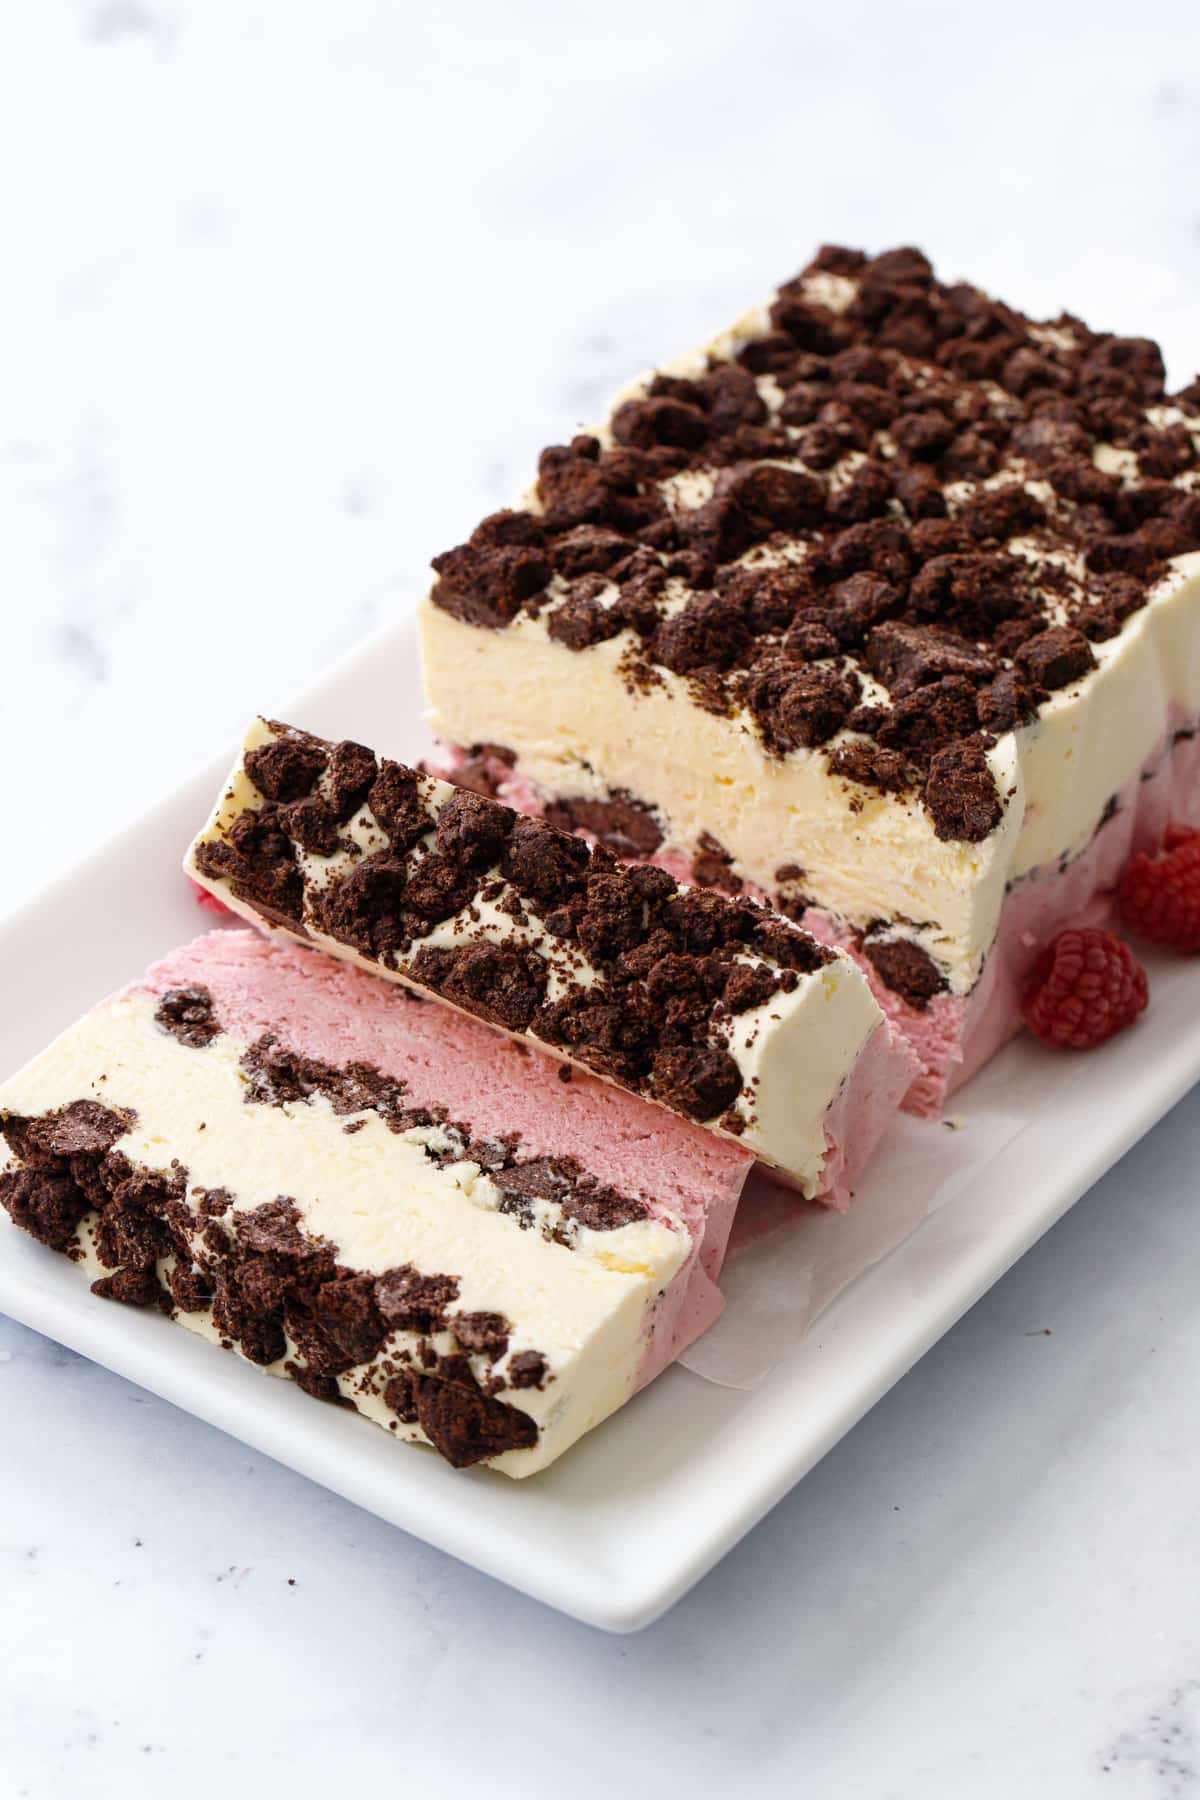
<point x="665" y="991"/>
<point x="888" y="524"/>
<point x="269" y="1284"/>
<point x="276" y="1075"/>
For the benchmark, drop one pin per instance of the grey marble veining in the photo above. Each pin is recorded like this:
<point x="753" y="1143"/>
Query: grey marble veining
<point x="292" y="294"/>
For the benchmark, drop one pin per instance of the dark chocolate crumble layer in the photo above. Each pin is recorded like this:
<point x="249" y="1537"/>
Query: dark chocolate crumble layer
<point x="619" y="969"/>
<point x="904" y="485"/>
<point x="275" y="1291"/>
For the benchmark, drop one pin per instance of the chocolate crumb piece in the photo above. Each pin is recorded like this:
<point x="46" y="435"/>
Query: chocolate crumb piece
<point x="798" y="704"/>
<point x="602" y="1208"/>
<point x="83" y="1128"/>
<point x="132" y="1287"/>
<point x="400" y="1394"/>
<point x="312" y="824"/>
<point x="352" y="770"/>
<point x="259" y="864"/>
<point x="187" y="1014"/>
<point x="486" y="580"/>
<point x="410" y="1301"/>
<point x="1005" y="703"/>
<point x="907" y="969"/>
<point x="273" y="1229"/>
<point x="394" y="797"/>
<point x="870" y="766"/>
<point x="47" y="1204"/>
<point x="749" y="984"/>
<point x="906" y="657"/>
<point x="466" y="1425"/>
<point x="581" y="621"/>
<point x="1055" y="657"/>
<point x="960" y="793"/>
<point x="713" y="866"/>
<point x="346" y="1312"/>
<point x="500" y="984"/>
<point x="565" y="1074"/>
<point x="626" y="825"/>
<point x="527" y="1369"/>
<point x="542" y="862"/>
<point x="366" y="908"/>
<point x="710" y="632"/>
<point x="472" y="831"/>
<point x="191" y="1289"/>
<point x="318" y="1386"/>
<point x="699" y="1081"/>
<point x="287" y="767"/>
<point x="487" y="1332"/>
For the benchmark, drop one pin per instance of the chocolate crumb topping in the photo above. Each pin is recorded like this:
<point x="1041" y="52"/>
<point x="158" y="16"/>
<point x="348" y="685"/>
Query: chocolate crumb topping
<point x="960" y="793"/>
<point x="287" y="767"/>
<point x="915" y="490"/>
<point x="1055" y="657"/>
<point x="352" y="770"/>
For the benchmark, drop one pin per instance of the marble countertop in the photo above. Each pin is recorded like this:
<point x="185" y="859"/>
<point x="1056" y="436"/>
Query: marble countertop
<point x="293" y="293"/>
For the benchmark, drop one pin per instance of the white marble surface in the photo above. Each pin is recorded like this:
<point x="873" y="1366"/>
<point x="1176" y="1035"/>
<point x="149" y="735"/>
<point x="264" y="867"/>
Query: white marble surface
<point x="292" y="292"/>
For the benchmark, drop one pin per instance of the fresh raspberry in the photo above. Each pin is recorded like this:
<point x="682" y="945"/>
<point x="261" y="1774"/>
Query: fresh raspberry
<point x="1159" y="897"/>
<point x="1178" y="834"/>
<point x="1086" y="986"/>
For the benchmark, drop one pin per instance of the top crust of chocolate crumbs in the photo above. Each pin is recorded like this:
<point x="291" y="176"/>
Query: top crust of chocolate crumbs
<point x="951" y="404"/>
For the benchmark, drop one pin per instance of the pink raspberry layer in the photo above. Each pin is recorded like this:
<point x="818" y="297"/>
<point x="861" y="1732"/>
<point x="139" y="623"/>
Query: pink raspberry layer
<point x="955" y="1035"/>
<point x="326" y="1010"/>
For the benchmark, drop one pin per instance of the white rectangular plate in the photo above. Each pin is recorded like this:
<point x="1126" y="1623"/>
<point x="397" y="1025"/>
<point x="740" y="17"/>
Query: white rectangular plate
<point x="622" y="1527"/>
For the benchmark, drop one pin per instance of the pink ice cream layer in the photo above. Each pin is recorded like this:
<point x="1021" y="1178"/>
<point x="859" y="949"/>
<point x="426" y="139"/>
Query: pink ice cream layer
<point x="955" y="1035"/>
<point x="335" y="1014"/>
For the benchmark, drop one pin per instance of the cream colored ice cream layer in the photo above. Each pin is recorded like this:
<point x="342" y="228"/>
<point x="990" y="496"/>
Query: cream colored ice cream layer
<point x="579" y="728"/>
<point x="793" y="1051"/>
<point x="383" y="1203"/>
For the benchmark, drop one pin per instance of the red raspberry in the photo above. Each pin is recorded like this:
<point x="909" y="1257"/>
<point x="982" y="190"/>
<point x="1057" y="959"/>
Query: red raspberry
<point x="1159" y="897"/>
<point x="1086" y="986"/>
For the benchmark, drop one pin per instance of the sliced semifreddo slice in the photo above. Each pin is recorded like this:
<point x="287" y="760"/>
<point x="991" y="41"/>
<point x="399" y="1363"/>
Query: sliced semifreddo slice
<point x="716" y="1009"/>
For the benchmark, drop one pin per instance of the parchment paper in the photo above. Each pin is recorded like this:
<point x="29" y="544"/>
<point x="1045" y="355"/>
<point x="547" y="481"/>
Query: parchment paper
<point x="789" y="1260"/>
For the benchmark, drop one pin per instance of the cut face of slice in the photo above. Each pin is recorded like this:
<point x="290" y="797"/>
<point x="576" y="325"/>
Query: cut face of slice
<point x="721" y="1011"/>
<point x="374" y="1197"/>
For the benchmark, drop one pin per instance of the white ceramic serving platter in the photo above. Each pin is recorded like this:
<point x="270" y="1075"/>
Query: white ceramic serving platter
<point x="640" y="1510"/>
